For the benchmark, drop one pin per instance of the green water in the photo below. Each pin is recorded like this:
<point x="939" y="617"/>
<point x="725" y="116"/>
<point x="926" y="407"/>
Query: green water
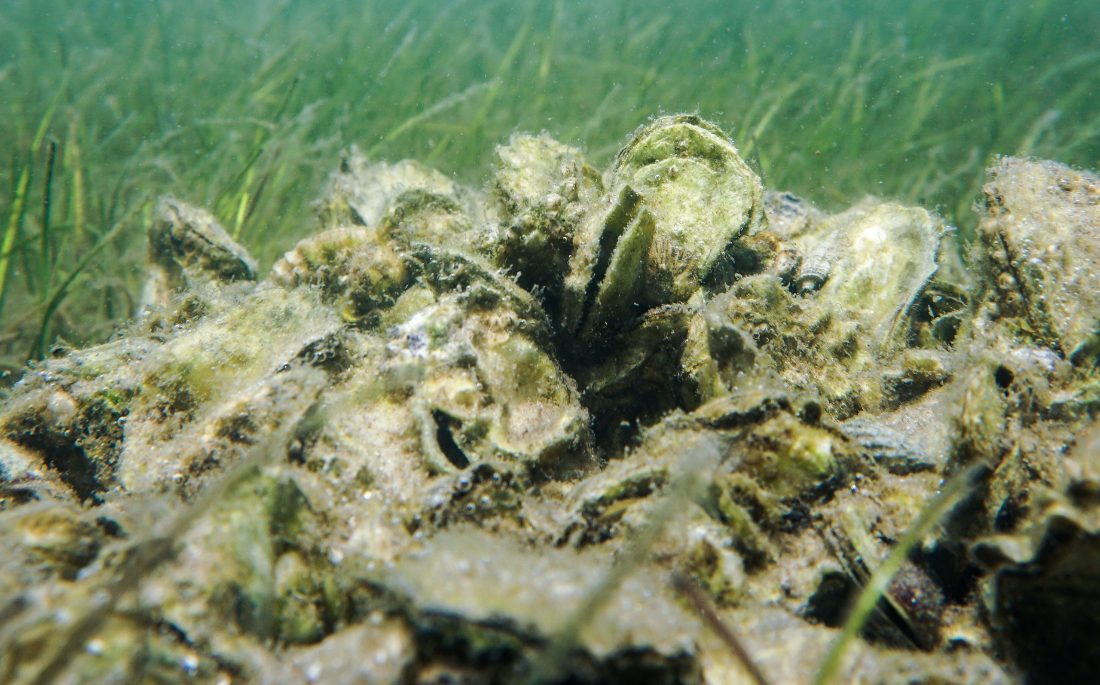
<point x="243" y="107"/>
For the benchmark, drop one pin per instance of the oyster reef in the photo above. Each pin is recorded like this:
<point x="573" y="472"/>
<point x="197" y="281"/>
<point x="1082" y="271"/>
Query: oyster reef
<point x="469" y="436"/>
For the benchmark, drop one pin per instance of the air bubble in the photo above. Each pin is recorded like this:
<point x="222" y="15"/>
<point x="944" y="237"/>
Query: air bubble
<point x="190" y="663"/>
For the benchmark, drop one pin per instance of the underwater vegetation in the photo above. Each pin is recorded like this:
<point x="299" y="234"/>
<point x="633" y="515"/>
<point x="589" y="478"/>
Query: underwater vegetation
<point x="653" y="423"/>
<point x="240" y="108"/>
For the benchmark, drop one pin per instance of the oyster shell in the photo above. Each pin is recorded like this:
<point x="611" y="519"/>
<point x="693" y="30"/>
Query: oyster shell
<point x="844" y="330"/>
<point x="1041" y="242"/>
<point x="1043" y="596"/>
<point x="481" y="386"/>
<point x="681" y="198"/>
<point x="789" y="215"/>
<point x="350" y="265"/>
<point x="871" y="264"/>
<point x="540" y="191"/>
<point x="187" y="247"/>
<point x="767" y="462"/>
<point x="362" y="194"/>
<point x="702" y="196"/>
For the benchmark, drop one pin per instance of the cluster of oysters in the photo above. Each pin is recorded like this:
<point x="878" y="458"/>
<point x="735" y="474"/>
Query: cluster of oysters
<point x="454" y="431"/>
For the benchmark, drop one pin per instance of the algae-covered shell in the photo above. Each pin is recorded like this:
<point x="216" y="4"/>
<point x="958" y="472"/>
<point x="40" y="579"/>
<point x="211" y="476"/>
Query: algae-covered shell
<point x="607" y="270"/>
<point x="191" y="240"/>
<point x="187" y="246"/>
<point x="752" y="443"/>
<point x="350" y="265"/>
<point x="497" y="597"/>
<point x="854" y="527"/>
<point x="1040" y="237"/>
<point x="702" y="195"/>
<point x="680" y="198"/>
<point x="1043" y="598"/>
<point x="360" y="193"/>
<point x="55" y="536"/>
<point x="482" y="383"/>
<point x="838" y="315"/>
<point x="789" y="215"/>
<point x="403" y="203"/>
<point x="540" y="191"/>
<point x="872" y="263"/>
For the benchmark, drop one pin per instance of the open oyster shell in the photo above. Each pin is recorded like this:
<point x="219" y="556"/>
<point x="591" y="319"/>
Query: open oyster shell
<point x="681" y="197"/>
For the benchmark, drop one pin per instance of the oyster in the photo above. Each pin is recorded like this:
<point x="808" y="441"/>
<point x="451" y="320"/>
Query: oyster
<point x="911" y="611"/>
<point x="1041" y="245"/>
<point x="540" y="191"/>
<point x="363" y="194"/>
<point x="1043" y="594"/>
<point x="187" y="246"/>
<point x="766" y="464"/>
<point x="615" y="272"/>
<point x="481" y="386"/>
<point x="703" y="197"/>
<point x="840" y="324"/>
<point x="350" y="265"/>
<point x="872" y="263"/>
<point x="606" y="275"/>
<point x="478" y="577"/>
<point x="681" y="197"/>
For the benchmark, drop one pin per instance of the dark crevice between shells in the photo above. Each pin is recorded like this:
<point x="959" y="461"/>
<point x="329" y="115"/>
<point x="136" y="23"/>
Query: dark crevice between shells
<point x="616" y="225"/>
<point x="444" y="436"/>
